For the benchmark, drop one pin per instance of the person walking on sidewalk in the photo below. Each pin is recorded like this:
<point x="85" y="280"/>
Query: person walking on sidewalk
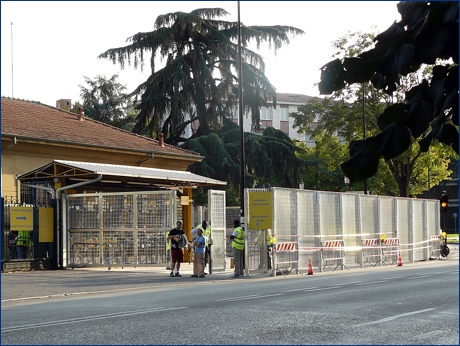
<point x="177" y="253"/>
<point x="198" y="258"/>
<point x="237" y="238"/>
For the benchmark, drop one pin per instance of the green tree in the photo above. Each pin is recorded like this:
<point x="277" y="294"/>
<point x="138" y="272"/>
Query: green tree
<point x="427" y="34"/>
<point x="343" y="113"/>
<point x="201" y="54"/>
<point x="322" y="163"/>
<point x="104" y="100"/>
<point x="271" y="158"/>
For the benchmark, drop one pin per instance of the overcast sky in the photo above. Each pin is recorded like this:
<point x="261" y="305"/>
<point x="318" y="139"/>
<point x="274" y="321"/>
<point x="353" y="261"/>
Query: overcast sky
<point x="48" y="47"/>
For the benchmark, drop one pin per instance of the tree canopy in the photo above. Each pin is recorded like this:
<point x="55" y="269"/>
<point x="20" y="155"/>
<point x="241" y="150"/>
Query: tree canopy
<point x="271" y="158"/>
<point x="104" y="100"/>
<point x="196" y="83"/>
<point x="426" y="34"/>
<point x="347" y="114"/>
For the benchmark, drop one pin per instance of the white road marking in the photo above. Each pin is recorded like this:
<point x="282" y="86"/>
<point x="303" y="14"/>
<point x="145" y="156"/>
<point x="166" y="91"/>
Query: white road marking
<point x="249" y="297"/>
<point x="371" y="283"/>
<point x="87" y="319"/>
<point x="419" y="277"/>
<point x="391" y="318"/>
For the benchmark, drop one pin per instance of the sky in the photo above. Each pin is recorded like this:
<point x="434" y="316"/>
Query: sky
<point x="48" y="47"/>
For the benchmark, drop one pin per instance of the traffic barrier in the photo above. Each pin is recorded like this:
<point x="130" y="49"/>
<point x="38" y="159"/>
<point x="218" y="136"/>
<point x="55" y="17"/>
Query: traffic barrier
<point x="332" y="251"/>
<point x="372" y="251"/>
<point x="390" y="250"/>
<point x="435" y="246"/>
<point x="286" y="257"/>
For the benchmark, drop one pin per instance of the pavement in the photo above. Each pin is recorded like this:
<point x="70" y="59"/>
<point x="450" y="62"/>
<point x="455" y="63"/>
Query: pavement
<point x="18" y="286"/>
<point x="68" y="282"/>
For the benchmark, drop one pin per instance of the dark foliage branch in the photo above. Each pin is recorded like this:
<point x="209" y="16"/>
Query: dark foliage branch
<point x="426" y="34"/>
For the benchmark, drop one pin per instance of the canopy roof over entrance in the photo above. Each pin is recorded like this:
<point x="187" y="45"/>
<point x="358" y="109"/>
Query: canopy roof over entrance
<point x="116" y="177"/>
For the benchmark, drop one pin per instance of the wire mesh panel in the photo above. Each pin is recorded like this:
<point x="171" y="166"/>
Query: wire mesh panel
<point x="285" y="215"/>
<point x="369" y="213"/>
<point x="432" y="217"/>
<point x="85" y="248"/>
<point x="154" y="210"/>
<point x="83" y="211"/>
<point x="330" y="220"/>
<point x="351" y="226"/>
<point x="387" y="215"/>
<point x="418" y="231"/>
<point x="312" y="216"/>
<point x="404" y="224"/>
<point x="126" y="229"/>
<point x="309" y="236"/>
<point x="117" y="211"/>
<point x="217" y="219"/>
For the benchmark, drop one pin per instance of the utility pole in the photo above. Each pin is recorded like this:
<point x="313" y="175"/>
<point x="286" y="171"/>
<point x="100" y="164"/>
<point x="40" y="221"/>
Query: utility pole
<point x="240" y="107"/>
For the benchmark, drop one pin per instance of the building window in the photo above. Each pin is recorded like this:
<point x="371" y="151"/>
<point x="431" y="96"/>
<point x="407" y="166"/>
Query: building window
<point x="293" y="98"/>
<point x="266" y="113"/>
<point x="284" y="114"/>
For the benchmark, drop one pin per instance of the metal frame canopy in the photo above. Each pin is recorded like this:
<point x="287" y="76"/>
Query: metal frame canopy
<point x="117" y="177"/>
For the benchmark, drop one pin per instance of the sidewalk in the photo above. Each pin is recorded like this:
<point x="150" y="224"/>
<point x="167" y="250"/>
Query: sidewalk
<point x="48" y="283"/>
<point x="71" y="282"/>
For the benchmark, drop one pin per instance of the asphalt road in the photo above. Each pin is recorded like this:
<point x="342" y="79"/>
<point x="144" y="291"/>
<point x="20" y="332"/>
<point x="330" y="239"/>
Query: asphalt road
<point x="413" y="304"/>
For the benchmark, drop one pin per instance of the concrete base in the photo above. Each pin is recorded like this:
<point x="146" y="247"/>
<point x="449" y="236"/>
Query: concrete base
<point x="26" y="265"/>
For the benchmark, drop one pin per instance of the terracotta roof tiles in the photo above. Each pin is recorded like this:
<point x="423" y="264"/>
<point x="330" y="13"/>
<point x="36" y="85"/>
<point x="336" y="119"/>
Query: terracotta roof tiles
<point x="31" y="119"/>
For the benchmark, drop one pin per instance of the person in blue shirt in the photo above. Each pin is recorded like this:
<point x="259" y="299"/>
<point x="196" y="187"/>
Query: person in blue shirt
<point x="198" y="259"/>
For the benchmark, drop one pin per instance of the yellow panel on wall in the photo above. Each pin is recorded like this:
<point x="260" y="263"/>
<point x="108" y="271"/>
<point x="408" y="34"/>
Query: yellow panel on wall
<point x="260" y="210"/>
<point x="45" y="225"/>
<point x="21" y="219"/>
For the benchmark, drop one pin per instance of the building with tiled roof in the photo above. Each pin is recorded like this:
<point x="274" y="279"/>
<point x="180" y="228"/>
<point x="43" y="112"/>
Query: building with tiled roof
<point x="34" y="134"/>
<point x="279" y="117"/>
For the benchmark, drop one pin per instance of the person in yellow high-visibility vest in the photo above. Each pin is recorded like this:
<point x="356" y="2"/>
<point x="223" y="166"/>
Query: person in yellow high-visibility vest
<point x="237" y="238"/>
<point x="22" y="244"/>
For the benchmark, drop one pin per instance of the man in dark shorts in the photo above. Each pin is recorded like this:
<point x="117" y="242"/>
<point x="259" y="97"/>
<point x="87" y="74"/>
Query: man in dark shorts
<point x="177" y="253"/>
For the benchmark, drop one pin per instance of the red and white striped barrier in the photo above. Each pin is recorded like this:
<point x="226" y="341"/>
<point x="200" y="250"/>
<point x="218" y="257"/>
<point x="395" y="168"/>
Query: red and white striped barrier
<point x="285" y="247"/>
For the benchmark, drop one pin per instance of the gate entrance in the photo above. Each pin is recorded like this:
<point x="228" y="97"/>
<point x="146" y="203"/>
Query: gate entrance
<point x="108" y="229"/>
<point x="129" y="229"/>
<point x="28" y="232"/>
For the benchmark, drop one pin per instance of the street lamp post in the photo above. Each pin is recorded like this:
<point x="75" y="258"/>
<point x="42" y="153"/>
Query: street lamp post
<point x="347" y="181"/>
<point x="364" y="136"/>
<point x="240" y="108"/>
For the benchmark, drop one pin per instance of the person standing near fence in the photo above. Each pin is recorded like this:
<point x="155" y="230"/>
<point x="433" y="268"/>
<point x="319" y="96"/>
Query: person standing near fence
<point x="207" y="236"/>
<point x="22" y="244"/>
<point x="198" y="259"/>
<point x="177" y="253"/>
<point x="237" y="238"/>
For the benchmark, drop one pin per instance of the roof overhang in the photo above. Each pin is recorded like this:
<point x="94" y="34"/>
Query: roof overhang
<point x="117" y="177"/>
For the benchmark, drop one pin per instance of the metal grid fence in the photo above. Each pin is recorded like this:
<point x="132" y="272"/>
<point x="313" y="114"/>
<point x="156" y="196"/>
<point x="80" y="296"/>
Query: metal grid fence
<point x="309" y="218"/>
<point x="119" y="229"/>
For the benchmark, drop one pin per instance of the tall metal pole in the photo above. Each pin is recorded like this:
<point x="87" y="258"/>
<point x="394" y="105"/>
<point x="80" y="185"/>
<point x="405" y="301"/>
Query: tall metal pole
<point x="240" y="101"/>
<point x="364" y="135"/>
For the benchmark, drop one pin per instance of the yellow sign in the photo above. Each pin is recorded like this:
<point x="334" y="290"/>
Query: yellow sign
<point x="45" y="225"/>
<point x="260" y="210"/>
<point x="21" y="218"/>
